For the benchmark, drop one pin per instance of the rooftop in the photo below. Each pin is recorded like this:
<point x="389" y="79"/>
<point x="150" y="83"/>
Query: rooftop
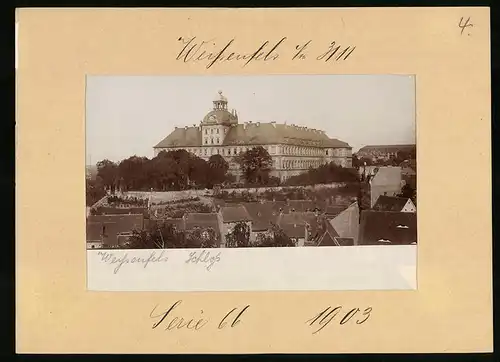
<point x="387" y="227"/>
<point x="254" y="134"/>
<point x="390" y="203"/>
<point x="235" y="214"/>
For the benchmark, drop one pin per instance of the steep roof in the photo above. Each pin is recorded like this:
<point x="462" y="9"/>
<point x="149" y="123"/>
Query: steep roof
<point x="262" y="215"/>
<point x="390" y="203"/>
<point x="178" y="223"/>
<point x="202" y="221"/>
<point x="109" y="227"/>
<point x="235" y="214"/>
<point x="94" y="231"/>
<point x="388" y="175"/>
<point x="387" y="227"/>
<point x="293" y="224"/>
<point x="124" y="223"/>
<point x="255" y="134"/>
<point x="182" y="137"/>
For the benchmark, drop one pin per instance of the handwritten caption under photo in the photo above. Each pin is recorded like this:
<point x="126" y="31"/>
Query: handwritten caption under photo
<point x="203" y="257"/>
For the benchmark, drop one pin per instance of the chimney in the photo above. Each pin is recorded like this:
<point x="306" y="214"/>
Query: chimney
<point x="245" y="125"/>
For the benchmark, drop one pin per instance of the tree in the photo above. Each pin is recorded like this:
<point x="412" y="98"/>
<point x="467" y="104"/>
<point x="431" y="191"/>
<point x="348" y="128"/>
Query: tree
<point x="239" y="237"/>
<point x="324" y="174"/>
<point x="255" y="164"/>
<point x="281" y="239"/>
<point x="107" y="171"/>
<point x="408" y="192"/>
<point x="94" y="191"/>
<point x="132" y="172"/>
<point x="356" y="162"/>
<point x="217" y="168"/>
<point x="201" y="238"/>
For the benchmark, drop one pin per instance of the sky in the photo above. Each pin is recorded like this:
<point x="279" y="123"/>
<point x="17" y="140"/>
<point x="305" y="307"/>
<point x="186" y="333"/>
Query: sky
<point x="128" y="115"/>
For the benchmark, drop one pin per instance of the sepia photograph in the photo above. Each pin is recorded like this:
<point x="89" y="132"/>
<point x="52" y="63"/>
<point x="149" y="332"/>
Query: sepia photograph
<point x="250" y="161"/>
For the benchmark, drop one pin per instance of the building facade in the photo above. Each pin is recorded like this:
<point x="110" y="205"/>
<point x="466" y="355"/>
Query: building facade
<point x="294" y="149"/>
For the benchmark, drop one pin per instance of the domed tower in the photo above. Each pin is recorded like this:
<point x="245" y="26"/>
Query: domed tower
<point x="216" y="123"/>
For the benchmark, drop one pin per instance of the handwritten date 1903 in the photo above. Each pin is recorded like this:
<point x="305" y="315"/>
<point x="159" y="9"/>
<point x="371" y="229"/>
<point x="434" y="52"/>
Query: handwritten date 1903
<point x="322" y="319"/>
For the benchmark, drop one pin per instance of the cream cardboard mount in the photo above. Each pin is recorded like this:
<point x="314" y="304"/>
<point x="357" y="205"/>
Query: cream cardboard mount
<point x="68" y="301"/>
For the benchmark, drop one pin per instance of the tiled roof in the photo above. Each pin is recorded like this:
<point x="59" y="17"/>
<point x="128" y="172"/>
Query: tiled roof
<point x="387" y="176"/>
<point x="387" y="227"/>
<point x="178" y="223"/>
<point x="302" y="205"/>
<point x="262" y="214"/>
<point x="390" y="203"/>
<point x="182" y="137"/>
<point x="255" y="134"/>
<point x="293" y="224"/>
<point x="94" y="231"/>
<point x="235" y="214"/>
<point x="294" y="230"/>
<point x="124" y="223"/>
<point x="201" y="220"/>
<point x="335" y="210"/>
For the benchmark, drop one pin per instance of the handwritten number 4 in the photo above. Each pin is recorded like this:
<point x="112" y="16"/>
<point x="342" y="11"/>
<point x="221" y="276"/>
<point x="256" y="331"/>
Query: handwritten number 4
<point x="465" y="24"/>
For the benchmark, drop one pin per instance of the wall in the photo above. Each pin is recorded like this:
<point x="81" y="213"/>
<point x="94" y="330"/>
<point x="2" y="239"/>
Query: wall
<point x="347" y="223"/>
<point x="409" y="207"/>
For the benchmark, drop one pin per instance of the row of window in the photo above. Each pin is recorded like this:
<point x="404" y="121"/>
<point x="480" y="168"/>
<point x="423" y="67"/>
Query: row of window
<point x="233" y="151"/>
<point x="300" y="164"/>
<point x="216" y="131"/>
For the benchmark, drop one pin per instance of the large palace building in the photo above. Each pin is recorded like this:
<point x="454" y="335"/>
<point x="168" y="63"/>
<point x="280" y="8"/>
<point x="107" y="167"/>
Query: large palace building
<point x="293" y="148"/>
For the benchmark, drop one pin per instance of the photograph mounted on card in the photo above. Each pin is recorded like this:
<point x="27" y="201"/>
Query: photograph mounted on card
<point x="309" y="180"/>
<point x="246" y="181"/>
